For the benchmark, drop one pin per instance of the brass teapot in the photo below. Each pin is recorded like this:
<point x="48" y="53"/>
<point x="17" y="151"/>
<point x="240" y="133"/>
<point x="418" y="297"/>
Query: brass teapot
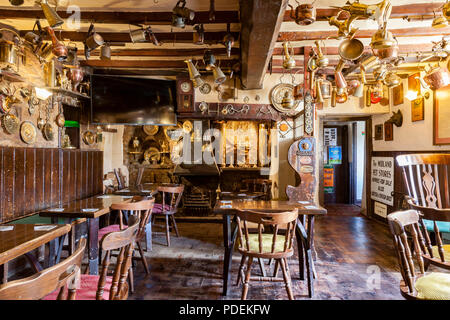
<point x="288" y="59"/>
<point x="304" y="14"/>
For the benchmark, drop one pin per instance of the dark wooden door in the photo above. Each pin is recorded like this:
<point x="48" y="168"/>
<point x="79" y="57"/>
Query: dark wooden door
<point x="340" y="192"/>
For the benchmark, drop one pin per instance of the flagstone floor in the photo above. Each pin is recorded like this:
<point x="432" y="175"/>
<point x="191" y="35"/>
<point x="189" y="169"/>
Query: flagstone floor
<point x="355" y="260"/>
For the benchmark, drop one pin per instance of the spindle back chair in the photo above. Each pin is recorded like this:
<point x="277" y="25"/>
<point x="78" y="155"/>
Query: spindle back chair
<point x="267" y="245"/>
<point x="64" y="276"/>
<point x="415" y="284"/>
<point x="427" y="179"/>
<point x="259" y="185"/>
<point x="171" y="195"/>
<point x="124" y="241"/>
<point x="139" y="176"/>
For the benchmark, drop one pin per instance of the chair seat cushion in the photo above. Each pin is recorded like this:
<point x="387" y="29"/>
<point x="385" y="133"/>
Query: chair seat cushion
<point x="442" y="225"/>
<point x="433" y="286"/>
<point x="88" y="288"/>
<point x="267" y="240"/>
<point x="108" y="229"/>
<point x="446" y="252"/>
<point x="158" y="208"/>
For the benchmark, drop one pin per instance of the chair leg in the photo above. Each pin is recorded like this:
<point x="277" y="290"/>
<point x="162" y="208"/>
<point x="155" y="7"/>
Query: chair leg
<point x="175" y="225"/>
<point x="276" y="268"/>
<point x="167" y="231"/>
<point x="241" y="268"/>
<point x="144" y="261"/>
<point x="131" y="279"/>
<point x="247" y="278"/>
<point x="287" y="278"/>
<point x="261" y="266"/>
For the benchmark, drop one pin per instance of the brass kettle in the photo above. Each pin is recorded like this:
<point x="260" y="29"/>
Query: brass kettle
<point x="287" y="102"/>
<point x="304" y="14"/>
<point x="288" y="59"/>
<point x="383" y="39"/>
<point x="436" y="78"/>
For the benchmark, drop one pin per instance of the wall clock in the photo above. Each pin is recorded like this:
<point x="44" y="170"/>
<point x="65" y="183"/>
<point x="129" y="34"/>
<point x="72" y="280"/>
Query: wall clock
<point x="185" y="95"/>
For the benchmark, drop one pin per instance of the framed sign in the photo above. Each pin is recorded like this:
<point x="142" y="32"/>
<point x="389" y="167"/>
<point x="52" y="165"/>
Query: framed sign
<point x="388" y="131"/>
<point x="382" y="180"/>
<point x="335" y="155"/>
<point x="330" y="136"/>
<point x="379" y="132"/>
<point x="397" y="94"/>
<point x="328" y="179"/>
<point x="441" y="114"/>
<point x="417" y="110"/>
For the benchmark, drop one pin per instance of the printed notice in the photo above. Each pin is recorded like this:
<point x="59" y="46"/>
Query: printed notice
<point x="382" y="184"/>
<point x="330" y="136"/>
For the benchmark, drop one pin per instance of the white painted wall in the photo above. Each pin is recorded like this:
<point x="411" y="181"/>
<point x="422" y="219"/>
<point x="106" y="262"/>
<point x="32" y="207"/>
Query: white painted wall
<point x="411" y="136"/>
<point x="360" y="157"/>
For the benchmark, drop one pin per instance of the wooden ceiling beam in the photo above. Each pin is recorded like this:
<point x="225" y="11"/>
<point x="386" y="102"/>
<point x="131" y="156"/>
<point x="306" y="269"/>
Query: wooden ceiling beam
<point x="260" y="25"/>
<point x="398" y="12"/>
<point x="157" y="52"/>
<point x="179" y="37"/>
<point x="406" y="32"/>
<point x="150" y="64"/>
<point x="120" y="17"/>
<point x="403" y="49"/>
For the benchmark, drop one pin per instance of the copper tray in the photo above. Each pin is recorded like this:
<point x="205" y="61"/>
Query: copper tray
<point x="88" y="137"/>
<point x="47" y="131"/>
<point x="10" y="123"/>
<point x="28" y="132"/>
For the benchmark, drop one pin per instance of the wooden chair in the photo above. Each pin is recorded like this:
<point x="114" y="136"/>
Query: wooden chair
<point x="171" y="196"/>
<point x="141" y="207"/>
<point x="120" y="180"/>
<point x="415" y="285"/>
<point x="427" y="181"/>
<point x="266" y="245"/>
<point x="62" y="279"/>
<point x="115" y="287"/>
<point x="139" y="176"/>
<point x="259" y="185"/>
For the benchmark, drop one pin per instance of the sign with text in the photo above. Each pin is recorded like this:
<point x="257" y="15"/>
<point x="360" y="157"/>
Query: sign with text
<point x="380" y="209"/>
<point x="328" y="179"/>
<point x="335" y="155"/>
<point x="382" y="180"/>
<point x="330" y="136"/>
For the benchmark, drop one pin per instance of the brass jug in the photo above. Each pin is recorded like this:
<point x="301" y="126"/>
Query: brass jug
<point x="288" y="59"/>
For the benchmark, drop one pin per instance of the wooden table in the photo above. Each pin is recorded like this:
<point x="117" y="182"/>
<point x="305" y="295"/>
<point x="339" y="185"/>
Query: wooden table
<point x="75" y="210"/>
<point x="146" y="190"/>
<point x="23" y="238"/>
<point x="305" y="237"/>
<point x="226" y="195"/>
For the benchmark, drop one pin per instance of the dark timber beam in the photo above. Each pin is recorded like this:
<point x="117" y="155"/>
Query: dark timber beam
<point x="157" y="64"/>
<point x="179" y="37"/>
<point x="119" y="17"/>
<point x="260" y="24"/>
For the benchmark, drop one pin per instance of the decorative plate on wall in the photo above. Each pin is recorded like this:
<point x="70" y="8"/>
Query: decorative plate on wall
<point x="28" y="132"/>
<point x="10" y="123"/>
<point x="88" y="137"/>
<point x="47" y="131"/>
<point x="278" y="93"/>
<point x="151" y="130"/>
<point x="152" y="154"/>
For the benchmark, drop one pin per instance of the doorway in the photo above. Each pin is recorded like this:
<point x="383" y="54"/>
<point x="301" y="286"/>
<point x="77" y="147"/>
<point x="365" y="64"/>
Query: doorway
<point x="344" y="163"/>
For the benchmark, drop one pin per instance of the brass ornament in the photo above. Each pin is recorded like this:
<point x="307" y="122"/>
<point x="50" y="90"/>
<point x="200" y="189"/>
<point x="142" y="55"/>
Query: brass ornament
<point x="47" y="132"/>
<point x="150" y="130"/>
<point x="10" y="123"/>
<point x="28" y="132"/>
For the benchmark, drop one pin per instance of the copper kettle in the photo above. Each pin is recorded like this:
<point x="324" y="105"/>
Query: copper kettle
<point x="304" y="14"/>
<point x="58" y="48"/>
<point x="436" y="78"/>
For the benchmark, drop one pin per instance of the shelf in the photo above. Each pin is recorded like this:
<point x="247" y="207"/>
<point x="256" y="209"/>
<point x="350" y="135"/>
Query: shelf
<point x="70" y="93"/>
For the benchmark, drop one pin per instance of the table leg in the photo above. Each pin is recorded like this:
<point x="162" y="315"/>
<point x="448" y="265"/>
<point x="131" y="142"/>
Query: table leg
<point x="301" y="256"/>
<point x="93" y="245"/>
<point x="229" y="238"/>
<point x="148" y="236"/>
<point x="4" y="273"/>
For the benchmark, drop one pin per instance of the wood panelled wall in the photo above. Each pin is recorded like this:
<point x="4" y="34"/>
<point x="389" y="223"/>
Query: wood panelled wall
<point x="399" y="185"/>
<point x="32" y="179"/>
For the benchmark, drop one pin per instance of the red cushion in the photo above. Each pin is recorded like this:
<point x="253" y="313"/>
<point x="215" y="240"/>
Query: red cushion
<point x="87" y="290"/>
<point x="158" y="208"/>
<point x="108" y="229"/>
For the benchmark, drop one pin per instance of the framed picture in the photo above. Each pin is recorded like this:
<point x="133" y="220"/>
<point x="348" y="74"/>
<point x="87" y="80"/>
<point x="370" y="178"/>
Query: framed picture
<point x="441" y="115"/>
<point x="379" y="132"/>
<point x="397" y="94"/>
<point x="388" y="131"/>
<point x="417" y="109"/>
